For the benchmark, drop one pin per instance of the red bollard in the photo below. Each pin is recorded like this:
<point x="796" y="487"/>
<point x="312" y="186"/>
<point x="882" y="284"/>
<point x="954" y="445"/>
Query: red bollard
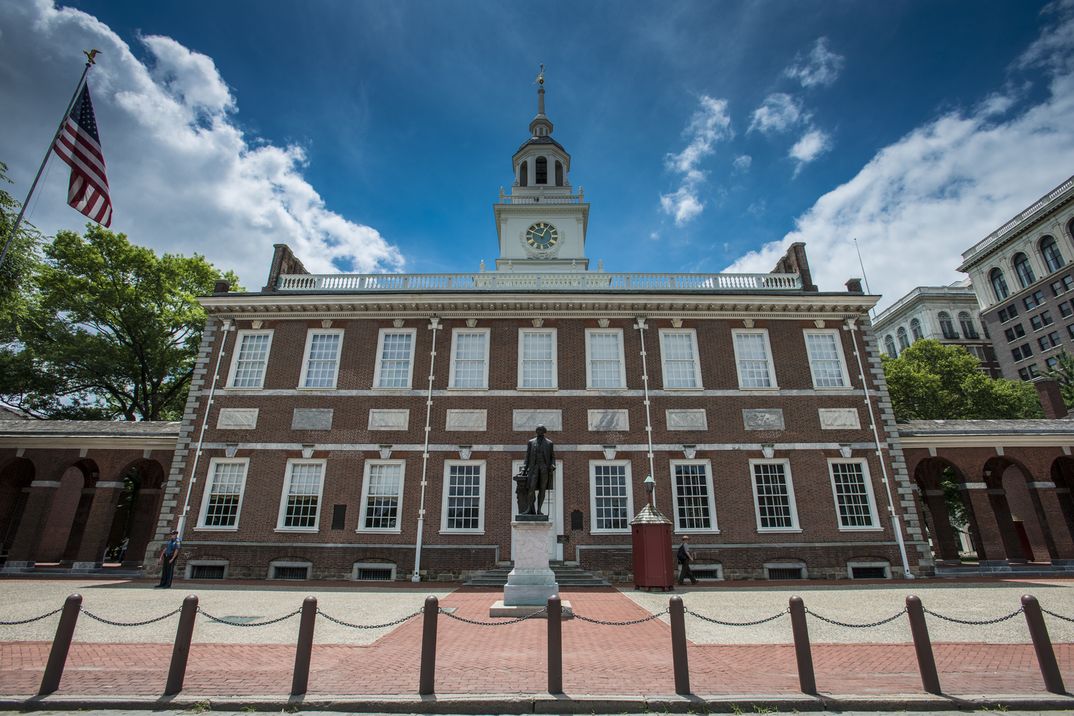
<point x="926" y="662"/>
<point x="555" y="645"/>
<point x="803" y="654"/>
<point x="678" y="646"/>
<point x="1042" y="644"/>
<point x="427" y="679"/>
<point x="181" y="651"/>
<point x="61" y="644"/>
<point x="304" y="650"/>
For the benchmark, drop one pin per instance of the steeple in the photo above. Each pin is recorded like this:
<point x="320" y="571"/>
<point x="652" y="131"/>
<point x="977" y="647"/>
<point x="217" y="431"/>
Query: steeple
<point x="541" y="126"/>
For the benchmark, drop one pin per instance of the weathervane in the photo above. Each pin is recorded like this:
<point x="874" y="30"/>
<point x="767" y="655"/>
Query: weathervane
<point x="90" y="55"/>
<point x="540" y="75"/>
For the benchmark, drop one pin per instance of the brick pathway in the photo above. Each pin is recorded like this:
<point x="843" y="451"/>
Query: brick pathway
<point x="511" y="659"/>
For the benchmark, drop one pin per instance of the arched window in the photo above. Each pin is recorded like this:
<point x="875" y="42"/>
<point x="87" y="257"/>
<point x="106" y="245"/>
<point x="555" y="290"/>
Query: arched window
<point x="915" y="330"/>
<point x="559" y="173"/>
<point x="904" y="343"/>
<point x="1024" y="270"/>
<point x="947" y="328"/>
<point x="969" y="330"/>
<point x="1052" y="258"/>
<point x="541" y="165"/>
<point x="889" y="346"/>
<point x="999" y="284"/>
<point x="524" y="174"/>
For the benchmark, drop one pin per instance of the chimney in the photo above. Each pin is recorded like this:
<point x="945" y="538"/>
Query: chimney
<point x="1051" y="399"/>
<point x="221" y="286"/>
<point x="854" y="285"/>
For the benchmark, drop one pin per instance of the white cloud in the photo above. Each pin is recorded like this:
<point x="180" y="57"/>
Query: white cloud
<point x="184" y="177"/>
<point x="812" y="144"/>
<point x="778" y="113"/>
<point x="820" y="67"/>
<point x="710" y="124"/>
<point x="742" y="162"/>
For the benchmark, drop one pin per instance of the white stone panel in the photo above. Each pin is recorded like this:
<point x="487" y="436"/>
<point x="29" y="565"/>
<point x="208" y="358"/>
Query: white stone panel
<point x="382" y="419"/>
<point x="237" y="419"/>
<point x="609" y="420"/>
<point x="687" y="419"/>
<point x="312" y="419"/>
<point x="763" y="418"/>
<point x="839" y="419"/>
<point x="527" y="420"/>
<point x="467" y="420"/>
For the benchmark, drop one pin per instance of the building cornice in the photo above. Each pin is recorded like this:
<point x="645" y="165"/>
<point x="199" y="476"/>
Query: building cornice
<point x="989" y="441"/>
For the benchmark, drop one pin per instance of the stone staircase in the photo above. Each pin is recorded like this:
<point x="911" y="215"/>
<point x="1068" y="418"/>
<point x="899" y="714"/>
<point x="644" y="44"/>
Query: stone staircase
<point x="568" y="576"/>
<point x="1028" y="569"/>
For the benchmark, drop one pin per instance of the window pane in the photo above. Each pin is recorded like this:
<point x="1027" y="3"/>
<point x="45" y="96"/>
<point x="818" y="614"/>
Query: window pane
<point x="692" y="497"/>
<point x="470" y="360"/>
<point x="464" y="497"/>
<point x="321" y="368"/>
<point x="538" y="360"/>
<point x="395" y="360"/>
<point x="382" y="497"/>
<point x="752" y="360"/>
<point x="773" y="496"/>
<point x="224" y="493"/>
<point x="679" y="362"/>
<point x="250" y="363"/>
<point x="302" y="495"/>
<point x="605" y="361"/>
<point x="824" y="360"/>
<point x="610" y="497"/>
<point x="851" y="495"/>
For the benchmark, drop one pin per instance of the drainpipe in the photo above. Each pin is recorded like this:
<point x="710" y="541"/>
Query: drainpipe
<point x="853" y="328"/>
<point x="640" y="327"/>
<point x="434" y="326"/>
<point x="204" y="422"/>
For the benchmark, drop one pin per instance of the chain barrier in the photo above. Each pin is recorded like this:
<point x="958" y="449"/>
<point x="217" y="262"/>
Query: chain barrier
<point x="31" y="620"/>
<point x="892" y="618"/>
<point x="368" y="626"/>
<point x="477" y="622"/>
<point x="277" y="620"/>
<point x="109" y="622"/>
<point x="602" y="622"/>
<point x="755" y="622"/>
<point x="974" y="622"/>
<point x="1057" y="616"/>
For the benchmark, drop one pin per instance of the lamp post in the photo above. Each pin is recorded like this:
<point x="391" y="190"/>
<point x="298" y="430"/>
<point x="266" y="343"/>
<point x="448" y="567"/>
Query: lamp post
<point x="650" y="485"/>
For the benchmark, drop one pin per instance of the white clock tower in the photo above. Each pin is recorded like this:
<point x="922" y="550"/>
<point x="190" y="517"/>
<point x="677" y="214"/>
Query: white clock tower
<point x="541" y="224"/>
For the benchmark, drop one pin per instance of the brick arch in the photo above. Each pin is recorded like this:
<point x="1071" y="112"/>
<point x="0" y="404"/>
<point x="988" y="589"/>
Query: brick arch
<point x="15" y="478"/>
<point x="943" y="531"/>
<point x="65" y="520"/>
<point x="1062" y="473"/>
<point x="136" y="507"/>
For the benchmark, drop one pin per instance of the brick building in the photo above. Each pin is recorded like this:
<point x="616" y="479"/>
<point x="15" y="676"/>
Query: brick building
<point x="367" y="426"/>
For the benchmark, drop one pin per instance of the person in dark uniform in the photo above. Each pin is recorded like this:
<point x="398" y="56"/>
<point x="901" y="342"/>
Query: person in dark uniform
<point x="684" y="558"/>
<point x="168" y="554"/>
<point x="537" y="474"/>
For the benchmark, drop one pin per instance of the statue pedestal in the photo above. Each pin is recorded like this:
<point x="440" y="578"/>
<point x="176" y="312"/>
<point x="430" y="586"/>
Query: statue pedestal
<point x="531" y="582"/>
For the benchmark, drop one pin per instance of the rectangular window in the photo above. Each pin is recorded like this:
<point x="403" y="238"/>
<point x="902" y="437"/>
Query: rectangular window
<point x="1023" y="373"/>
<point x="321" y="366"/>
<point x="223" y="493"/>
<point x="1051" y="363"/>
<point x="610" y="496"/>
<point x="464" y="497"/>
<point x="395" y="359"/>
<point x="537" y="358"/>
<point x="1049" y="341"/>
<point x="694" y="503"/>
<point x="826" y="359"/>
<point x="470" y="358"/>
<point x="1033" y="370"/>
<point x="382" y="495"/>
<point x="1070" y="330"/>
<point x="1033" y="300"/>
<point x="251" y="357"/>
<point x="853" y="495"/>
<point x="1014" y="332"/>
<point x="678" y="358"/>
<point x="300" y="507"/>
<point x="752" y="353"/>
<point x="1057" y="288"/>
<point x="1065" y="310"/>
<point x="604" y="358"/>
<point x="773" y="495"/>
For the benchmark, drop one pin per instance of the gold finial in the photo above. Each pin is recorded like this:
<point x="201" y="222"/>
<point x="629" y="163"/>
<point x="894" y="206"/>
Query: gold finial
<point x="540" y="75"/>
<point x="90" y="55"/>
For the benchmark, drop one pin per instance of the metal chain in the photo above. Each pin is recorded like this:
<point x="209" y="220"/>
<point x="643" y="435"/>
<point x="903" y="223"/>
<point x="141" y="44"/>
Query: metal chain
<point x="629" y="622"/>
<point x="1049" y="613"/>
<point x="892" y="618"/>
<point x="17" y="622"/>
<point x="368" y="626"/>
<point x="504" y="622"/>
<point x="252" y="624"/>
<point x="109" y="622"/>
<point x="973" y="622"/>
<point x="736" y="624"/>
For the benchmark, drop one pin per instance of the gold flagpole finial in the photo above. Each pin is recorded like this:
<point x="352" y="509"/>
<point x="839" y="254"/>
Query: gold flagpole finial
<point x="90" y="55"/>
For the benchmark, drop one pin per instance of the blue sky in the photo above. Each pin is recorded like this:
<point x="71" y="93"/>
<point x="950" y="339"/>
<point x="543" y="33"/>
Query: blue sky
<point x="374" y="136"/>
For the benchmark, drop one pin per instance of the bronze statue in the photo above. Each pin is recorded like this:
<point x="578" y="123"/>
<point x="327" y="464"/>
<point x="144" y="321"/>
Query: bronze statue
<point x="537" y="474"/>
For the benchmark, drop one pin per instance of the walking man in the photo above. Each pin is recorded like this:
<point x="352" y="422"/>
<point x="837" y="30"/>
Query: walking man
<point x="684" y="557"/>
<point x="168" y="554"/>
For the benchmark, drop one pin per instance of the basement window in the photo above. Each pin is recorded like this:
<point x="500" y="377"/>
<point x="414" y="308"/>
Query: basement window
<point x="290" y="570"/>
<point x="784" y="570"/>
<point x="707" y="571"/>
<point x="207" y="569"/>
<point x="373" y="572"/>
<point x="868" y="570"/>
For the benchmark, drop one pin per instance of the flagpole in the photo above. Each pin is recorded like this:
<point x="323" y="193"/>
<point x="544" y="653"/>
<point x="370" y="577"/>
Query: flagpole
<point x="22" y="210"/>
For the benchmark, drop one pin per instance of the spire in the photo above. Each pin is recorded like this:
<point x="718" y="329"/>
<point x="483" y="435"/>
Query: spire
<point x="541" y="126"/>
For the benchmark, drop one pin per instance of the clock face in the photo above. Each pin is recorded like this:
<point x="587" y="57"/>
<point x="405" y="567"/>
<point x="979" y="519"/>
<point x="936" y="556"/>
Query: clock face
<point x="542" y="236"/>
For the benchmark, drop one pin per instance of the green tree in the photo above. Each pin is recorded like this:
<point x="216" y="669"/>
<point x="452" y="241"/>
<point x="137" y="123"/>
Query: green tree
<point x="931" y="381"/>
<point x="1064" y="375"/>
<point x="111" y="330"/>
<point x="19" y="264"/>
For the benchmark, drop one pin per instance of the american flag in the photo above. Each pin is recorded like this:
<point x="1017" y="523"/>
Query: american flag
<point x="79" y="145"/>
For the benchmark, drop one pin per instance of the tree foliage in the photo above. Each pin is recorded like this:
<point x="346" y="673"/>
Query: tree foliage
<point x="111" y="330"/>
<point x="931" y="381"/>
<point x="1063" y="373"/>
<point x="19" y="264"/>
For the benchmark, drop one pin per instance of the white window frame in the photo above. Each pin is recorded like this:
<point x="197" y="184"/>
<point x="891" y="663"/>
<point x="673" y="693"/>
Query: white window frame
<point x="454" y="345"/>
<point x="362" y="514"/>
<point x="696" y="358"/>
<point x="867" y="479"/>
<point x="210" y="479"/>
<point x="522" y="333"/>
<point x="839" y="352"/>
<point x="629" y="486"/>
<point x="285" y="492"/>
<point x="380" y="355"/>
<point x="588" y="359"/>
<point x="480" y="530"/>
<point x="795" y="525"/>
<point x="306" y="358"/>
<point x="239" y="337"/>
<point x="769" y="359"/>
<point x="715" y="528"/>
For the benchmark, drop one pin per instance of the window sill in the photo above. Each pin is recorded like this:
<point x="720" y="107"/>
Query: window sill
<point x="393" y="389"/>
<point x="760" y="389"/>
<point x="306" y="530"/>
<point x="619" y="389"/>
<point x="610" y="532"/>
<point x="245" y="387"/>
<point x="779" y="530"/>
<point x="523" y="389"/>
<point x="462" y="532"/>
<point x="861" y="529"/>
<point x="316" y="387"/>
<point x="379" y="531"/>
<point x="216" y="529"/>
<point x="460" y="388"/>
<point x="714" y="531"/>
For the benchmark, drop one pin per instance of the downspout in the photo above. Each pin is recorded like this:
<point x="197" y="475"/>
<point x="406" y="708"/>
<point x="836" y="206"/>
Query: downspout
<point x="227" y="327"/>
<point x="640" y="327"/>
<point x="434" y="326"/>
<point x="853" y="328"/>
